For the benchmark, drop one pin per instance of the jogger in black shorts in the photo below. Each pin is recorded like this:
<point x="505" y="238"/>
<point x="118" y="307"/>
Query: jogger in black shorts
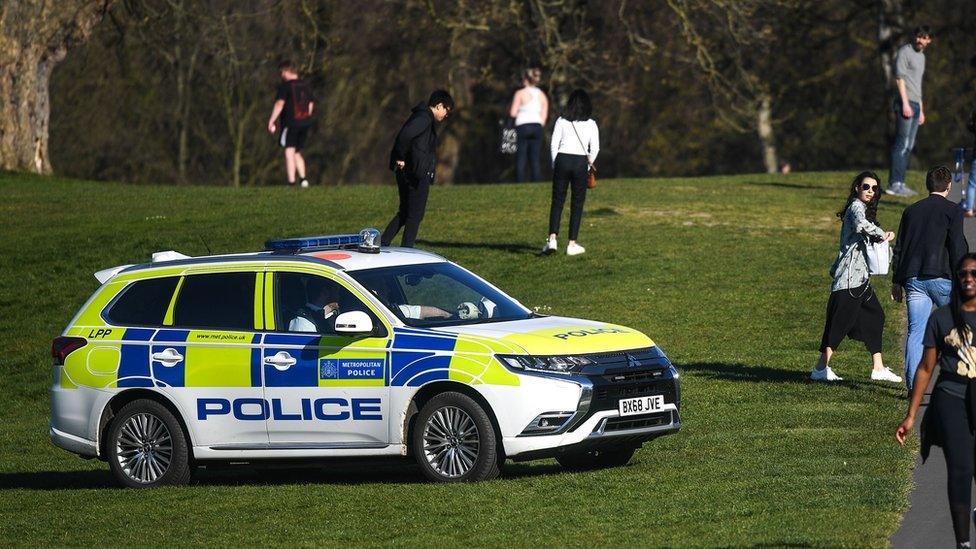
<point x="293" y="105"/>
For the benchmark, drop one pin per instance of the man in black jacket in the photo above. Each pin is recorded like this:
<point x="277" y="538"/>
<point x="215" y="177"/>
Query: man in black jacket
<point x="930" y="245"/>
<point x="413" y="161"/>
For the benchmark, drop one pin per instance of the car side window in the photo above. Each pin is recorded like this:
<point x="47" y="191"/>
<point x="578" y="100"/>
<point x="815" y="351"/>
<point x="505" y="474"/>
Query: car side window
<point x="307" y="303"/>
<point x="143" y="303"/>
<point x="222" y="301"/>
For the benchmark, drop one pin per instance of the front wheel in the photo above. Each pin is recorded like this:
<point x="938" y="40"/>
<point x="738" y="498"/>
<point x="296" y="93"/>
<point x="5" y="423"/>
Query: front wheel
<point x="454" y="440"/>
<point x="597" y="459"/>
<point x="146" y="446"/>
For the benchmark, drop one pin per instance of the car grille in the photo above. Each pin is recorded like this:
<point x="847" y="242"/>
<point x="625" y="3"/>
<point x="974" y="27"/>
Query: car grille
<point x="627" y="374"/>
<point x="637" y="422"/>
<point x="622" y="359"/>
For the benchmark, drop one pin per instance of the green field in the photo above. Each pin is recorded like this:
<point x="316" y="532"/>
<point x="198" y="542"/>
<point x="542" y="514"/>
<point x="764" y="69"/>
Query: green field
<point x="727" y="274"/>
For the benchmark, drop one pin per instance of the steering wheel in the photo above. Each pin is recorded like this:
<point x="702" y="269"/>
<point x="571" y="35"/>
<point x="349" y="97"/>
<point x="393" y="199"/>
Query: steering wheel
<point x="467" y="311"/>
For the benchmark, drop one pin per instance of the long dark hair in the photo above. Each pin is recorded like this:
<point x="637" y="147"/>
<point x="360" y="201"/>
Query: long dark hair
<point x="872" y="207"/>
<point x="955" y="300"/>
<point x="578" y="107"/>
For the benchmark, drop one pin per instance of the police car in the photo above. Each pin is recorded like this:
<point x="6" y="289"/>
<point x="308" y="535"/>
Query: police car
<point x="334" y="347"/>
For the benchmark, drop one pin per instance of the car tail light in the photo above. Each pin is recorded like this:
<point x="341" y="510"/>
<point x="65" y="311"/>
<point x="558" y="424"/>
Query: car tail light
<point x="62" y="346"/>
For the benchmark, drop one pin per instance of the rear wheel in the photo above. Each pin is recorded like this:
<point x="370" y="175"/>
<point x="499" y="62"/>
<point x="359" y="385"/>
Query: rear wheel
<point x="146" y="446"/>
<point x="597" y="459"/>
<point x="454" y="440"/>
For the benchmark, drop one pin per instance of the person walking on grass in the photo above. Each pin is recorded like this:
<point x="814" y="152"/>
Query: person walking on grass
<point x="292" y="114"/>
<point x="530" y="108"/>
<point x="909" y="110"/>
<point x="969" y="194"/>
<point x="949" y="419"/>
<point x="930" y="240"/>
<point x="853" y="309"/>
<point x="413" y="160"/>
<point x="575" y="146"/>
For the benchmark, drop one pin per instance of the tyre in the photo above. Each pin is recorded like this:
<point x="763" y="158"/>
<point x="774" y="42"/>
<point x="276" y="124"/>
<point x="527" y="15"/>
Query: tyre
<point x="597" y="459"/>
<point x="146" y="446"/>
<point x="454" y="440"/>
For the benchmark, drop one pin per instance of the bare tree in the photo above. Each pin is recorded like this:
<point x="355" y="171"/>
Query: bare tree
<point x="731" y="40"/>
<point x="35" y="35"/>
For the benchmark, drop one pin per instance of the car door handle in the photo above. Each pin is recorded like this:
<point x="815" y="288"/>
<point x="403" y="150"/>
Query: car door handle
<point x="281" y="361"/>
<point x="169" y="357"/>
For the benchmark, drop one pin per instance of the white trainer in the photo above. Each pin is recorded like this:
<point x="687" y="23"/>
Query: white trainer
<point x="550" y="246"/>
<point x="824" y="375"/>
<point x="885" y="374"/>
<point x="574" y="249"/>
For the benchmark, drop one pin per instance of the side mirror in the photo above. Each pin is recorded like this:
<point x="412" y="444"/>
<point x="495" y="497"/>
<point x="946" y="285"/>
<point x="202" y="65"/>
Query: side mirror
<point x="353" y="322"/>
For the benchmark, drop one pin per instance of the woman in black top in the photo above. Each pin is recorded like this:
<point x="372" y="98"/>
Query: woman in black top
<point x="948" y="421"/>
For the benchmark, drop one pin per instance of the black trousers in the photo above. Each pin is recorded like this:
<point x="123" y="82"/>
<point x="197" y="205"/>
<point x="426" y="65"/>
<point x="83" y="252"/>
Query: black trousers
<point x="413" y="203"/>
<point x="570" y="169"/>
<point x="854" y="313"/>
<point x="955" y="430"/>
<point x="529" y="146"/>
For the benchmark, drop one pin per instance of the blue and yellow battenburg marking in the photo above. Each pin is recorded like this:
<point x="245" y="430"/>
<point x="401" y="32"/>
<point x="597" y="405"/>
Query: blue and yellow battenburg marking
<point x="237" y="359"/>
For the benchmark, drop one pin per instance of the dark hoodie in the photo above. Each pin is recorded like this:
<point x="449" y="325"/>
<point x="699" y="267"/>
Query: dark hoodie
<point x="415" y="144"/>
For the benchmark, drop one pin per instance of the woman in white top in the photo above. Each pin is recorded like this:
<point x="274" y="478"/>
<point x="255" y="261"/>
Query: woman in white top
<point x="529" y="109"/>
<point x="575" y="144"/>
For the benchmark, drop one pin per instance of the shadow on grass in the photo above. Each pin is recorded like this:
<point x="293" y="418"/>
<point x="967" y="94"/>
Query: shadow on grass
<point x="511" y="248"/>
<point x="786" y="185"/>
<point x="765" y="374"/>
<point x="341" y="473"/>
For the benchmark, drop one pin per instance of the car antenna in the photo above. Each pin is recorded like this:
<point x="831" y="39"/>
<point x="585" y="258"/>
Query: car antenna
<point x="205" y="244"/>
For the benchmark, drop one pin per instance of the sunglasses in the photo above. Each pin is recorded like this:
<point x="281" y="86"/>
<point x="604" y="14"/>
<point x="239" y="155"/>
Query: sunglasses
<point x="961" y="273"/>
<point x="868" y="186"/>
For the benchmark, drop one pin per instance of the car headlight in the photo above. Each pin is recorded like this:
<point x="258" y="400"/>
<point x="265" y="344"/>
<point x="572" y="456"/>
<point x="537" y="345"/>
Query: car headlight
<point x="560" y="364"/>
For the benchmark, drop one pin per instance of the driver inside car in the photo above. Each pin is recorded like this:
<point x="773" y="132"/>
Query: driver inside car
<point x="318" y="314"/>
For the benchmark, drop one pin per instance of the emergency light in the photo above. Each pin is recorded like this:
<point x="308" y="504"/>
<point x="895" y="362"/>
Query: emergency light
<point x="366" y="241"/>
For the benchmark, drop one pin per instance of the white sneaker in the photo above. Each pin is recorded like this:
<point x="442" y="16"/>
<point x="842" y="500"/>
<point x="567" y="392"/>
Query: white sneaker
<point x="885" y="374"/>
<point x="574" y="249"/>
<point x="550" y="246"/>
<point x="304" y="183"/>
<point x="824" y="375"/>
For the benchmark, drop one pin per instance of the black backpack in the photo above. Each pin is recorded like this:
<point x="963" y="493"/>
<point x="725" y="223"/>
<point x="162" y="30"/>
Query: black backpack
<point x="301" y="101"/>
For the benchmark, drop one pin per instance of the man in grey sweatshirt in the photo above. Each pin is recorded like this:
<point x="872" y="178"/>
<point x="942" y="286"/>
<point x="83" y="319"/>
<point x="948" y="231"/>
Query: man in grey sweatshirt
<point x="909" y="110"/>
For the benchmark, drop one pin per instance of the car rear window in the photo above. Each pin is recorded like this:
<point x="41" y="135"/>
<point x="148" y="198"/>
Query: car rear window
<point x="224" y="301"/>
<point x="143" y="303"/>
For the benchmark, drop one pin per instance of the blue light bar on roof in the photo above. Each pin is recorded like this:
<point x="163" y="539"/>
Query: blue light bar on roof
<point x="318" y="242"/>
<point x="367" y="241"/>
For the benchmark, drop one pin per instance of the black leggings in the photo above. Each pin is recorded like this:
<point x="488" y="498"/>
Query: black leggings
<point x="569" y="169"/>
<point x="957" y="445"/>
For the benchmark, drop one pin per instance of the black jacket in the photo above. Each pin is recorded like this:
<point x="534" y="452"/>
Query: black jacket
<point x="930" y="240"/>
<point x="415" y="144"/>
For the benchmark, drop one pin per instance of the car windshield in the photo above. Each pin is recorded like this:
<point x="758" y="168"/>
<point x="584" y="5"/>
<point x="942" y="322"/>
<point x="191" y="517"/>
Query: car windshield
<point x="439" y="294"/>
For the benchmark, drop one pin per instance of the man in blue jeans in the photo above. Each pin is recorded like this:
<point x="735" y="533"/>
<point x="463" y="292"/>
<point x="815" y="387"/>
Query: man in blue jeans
<point x="909" y="70"/>
<point x="929" y="246"/>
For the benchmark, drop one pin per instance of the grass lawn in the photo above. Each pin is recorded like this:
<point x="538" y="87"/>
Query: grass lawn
<point x="727" y="274"/>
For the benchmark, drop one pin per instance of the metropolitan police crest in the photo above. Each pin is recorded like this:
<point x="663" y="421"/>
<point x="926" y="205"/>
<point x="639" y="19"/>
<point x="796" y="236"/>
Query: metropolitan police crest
<point x="328" y="369"/>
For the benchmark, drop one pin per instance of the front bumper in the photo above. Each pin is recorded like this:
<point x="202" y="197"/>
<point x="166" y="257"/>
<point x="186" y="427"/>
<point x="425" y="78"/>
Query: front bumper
<point x="605" y="429"/>
<point x="597" y="422"/>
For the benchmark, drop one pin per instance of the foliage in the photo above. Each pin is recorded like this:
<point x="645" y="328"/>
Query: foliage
<point x="179" y="90"/>
<point x="727" y="274"/>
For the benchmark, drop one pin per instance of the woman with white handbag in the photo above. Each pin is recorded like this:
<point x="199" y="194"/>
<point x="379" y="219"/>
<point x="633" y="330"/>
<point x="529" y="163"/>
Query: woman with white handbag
<point x="853" y="309"/>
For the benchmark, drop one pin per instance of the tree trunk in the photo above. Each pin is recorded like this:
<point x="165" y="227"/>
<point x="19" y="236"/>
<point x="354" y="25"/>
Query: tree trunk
<point x="462" y="78"/>
<point x="35" y="35"/>
<point x="764" y="126"/>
